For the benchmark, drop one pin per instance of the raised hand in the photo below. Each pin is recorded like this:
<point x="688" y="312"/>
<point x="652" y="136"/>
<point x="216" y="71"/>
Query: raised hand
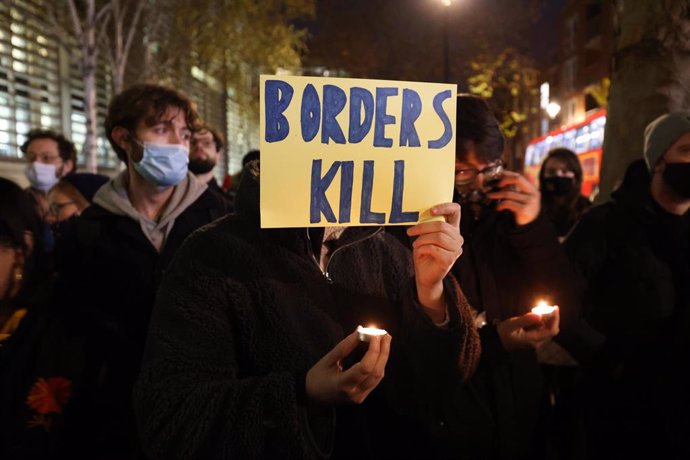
<point x="437" y="247"/>
<point x="519" y="196"/>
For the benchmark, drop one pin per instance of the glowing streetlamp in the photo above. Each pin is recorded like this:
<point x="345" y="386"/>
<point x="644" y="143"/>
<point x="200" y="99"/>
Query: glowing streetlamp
<point x="553" y="109"/>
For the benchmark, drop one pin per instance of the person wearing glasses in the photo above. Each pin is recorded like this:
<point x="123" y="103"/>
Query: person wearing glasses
<point x="70" y="197"/>
<point x="50" y="156"/>
<point x="511" y="260"/>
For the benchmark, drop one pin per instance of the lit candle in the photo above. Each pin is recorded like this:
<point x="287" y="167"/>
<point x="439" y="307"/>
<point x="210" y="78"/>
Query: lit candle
<point x="366" y="333"/>
<point x="542" y="309"/>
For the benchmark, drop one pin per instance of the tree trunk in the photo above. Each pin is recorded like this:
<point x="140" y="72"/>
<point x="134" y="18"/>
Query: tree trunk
<point x="650" y="77"/>
<point x="90" y="111"/>
<point x="118" y="77"/>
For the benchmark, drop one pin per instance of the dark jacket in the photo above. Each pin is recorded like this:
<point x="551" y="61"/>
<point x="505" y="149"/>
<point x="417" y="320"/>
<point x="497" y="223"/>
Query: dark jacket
<point x="564" y="214"/>
<point x="109" y="272"/>
<point x="635" y="341"/>
<point x="244" y="313"/>
<point x="43" y="367"/>
<point x="220" y="194"/>
<point x="504" y="270"/>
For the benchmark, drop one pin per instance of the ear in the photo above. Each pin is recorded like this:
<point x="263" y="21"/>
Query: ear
<point x="67" y="167"/>
<point x="122" y="138"/>
<point x="29" y="242"/>
<point x="659" y="166"/>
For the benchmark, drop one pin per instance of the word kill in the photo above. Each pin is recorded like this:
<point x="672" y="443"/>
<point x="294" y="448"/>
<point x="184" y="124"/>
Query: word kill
<point x="319" y="203"/>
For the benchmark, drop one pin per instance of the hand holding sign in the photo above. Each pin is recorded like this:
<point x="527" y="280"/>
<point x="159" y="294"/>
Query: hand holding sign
<point x="437" y="247"/>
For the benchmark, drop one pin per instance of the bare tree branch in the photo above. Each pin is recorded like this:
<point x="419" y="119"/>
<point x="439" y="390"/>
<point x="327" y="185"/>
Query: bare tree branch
<point x="105" y="10"/>
<point x="132" y="29"/>
<point x="76" y="20"/>
<point x="103" y="29"/>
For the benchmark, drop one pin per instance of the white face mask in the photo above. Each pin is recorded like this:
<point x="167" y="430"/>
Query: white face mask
<point x="41" y="176"/>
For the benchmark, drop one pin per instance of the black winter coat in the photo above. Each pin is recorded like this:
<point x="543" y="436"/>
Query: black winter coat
<point x="109" y="273"/>
<point x="635" y="343"/>
<point x="243" y="313"/>
<point x="43" y="367"/>
<point x="504" y="270"/>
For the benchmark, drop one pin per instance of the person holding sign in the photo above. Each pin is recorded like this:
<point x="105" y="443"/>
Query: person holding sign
<point x="253" y="350"/>
<point x="247" y="336"/>
<point x="512" y="259"/>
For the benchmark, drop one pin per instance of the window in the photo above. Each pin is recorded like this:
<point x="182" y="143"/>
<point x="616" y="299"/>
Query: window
<point x="30" y="81"/>
<point x="570" y="34"/>
<point x="570" y="74"/>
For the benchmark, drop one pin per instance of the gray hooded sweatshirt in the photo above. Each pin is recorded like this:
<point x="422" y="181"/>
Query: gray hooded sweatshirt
<point x="114" y="198"/>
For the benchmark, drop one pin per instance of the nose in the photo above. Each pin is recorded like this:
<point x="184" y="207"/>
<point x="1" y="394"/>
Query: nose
<point x="174" y="137"/>
<point x="479" y="180"/>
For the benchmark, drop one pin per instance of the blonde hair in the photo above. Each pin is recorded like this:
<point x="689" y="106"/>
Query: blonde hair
<point x="72" y="193"/>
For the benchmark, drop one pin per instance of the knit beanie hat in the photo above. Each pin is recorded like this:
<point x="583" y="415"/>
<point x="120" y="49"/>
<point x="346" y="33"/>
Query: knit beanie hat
<point x="86" y="183"/>
<point x="662" y="133"/>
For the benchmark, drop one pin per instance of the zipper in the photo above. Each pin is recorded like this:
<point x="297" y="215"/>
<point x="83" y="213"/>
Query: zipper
<point x="325" y="273"/>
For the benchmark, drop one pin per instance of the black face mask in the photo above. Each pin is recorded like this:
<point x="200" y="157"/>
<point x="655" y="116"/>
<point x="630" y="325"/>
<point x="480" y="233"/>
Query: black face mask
<point x="677" y="176"/>
<point x="201" y="166"/>
<point x="558" y="185"/>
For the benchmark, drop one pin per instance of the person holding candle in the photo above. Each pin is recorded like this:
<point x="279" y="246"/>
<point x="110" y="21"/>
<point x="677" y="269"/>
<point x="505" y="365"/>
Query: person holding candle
<point x="512" y="259"/>
<point x="634" y="252"/>
<point x="251" y="339"/>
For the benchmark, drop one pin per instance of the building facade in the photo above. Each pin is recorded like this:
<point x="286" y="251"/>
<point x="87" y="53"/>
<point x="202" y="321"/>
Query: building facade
<point x="41" y="87"/>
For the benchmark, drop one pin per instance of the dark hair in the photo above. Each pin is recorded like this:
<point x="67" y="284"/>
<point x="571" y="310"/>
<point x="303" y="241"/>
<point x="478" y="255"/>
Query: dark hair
<point x="66" y="147"/>
<point x="18" y="215"/>
<point x="477" y="128"/>
<point x="148" y="103"/>
<point x="218" y="138"/>
<point x="571" y="161"/>
<point x="250" y="156"/>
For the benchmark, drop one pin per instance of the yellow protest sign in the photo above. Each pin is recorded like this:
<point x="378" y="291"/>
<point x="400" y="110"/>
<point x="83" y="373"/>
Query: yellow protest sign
<point x="341" y="152"/>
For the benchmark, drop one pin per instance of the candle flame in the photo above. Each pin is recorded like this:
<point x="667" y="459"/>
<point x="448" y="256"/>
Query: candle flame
<point x="543" y="308"/>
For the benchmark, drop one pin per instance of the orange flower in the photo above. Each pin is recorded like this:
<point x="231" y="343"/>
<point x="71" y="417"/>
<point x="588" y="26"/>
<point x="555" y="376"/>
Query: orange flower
<point x="48" y="396"/>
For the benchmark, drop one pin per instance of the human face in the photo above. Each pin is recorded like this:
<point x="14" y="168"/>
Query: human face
<point x="203" y="147"/>
<point x="555" y="167"/>
<point x="679" y="152"/>
<point x="8" y="260"/>
<point x="171" y="128"/>
<point x="47" y="151"/>
<point x="60" y="207"/>
<point x="471" y="173"/>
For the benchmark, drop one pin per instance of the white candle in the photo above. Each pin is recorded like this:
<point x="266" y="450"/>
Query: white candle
<point x="366" y="333"/>
<point x="542" y="309"/>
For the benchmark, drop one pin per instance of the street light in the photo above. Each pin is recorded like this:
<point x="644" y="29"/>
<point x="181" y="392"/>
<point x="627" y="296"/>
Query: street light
<point x="553" y="109"/>
<point x="446" y="52"/>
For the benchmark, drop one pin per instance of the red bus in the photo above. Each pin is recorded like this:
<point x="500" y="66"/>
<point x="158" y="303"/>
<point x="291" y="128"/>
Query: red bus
<point x="586" y="139"/>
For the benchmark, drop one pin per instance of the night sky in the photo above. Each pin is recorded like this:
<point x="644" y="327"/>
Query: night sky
<point x="403" y="39"/>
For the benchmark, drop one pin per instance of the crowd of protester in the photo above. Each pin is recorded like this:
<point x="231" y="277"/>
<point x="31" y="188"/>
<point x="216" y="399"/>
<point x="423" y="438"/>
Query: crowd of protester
<point x="147" y="315"/>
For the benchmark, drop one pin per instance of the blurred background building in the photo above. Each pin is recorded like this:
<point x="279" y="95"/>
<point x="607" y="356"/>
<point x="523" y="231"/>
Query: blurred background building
<point x="41" y="85"/>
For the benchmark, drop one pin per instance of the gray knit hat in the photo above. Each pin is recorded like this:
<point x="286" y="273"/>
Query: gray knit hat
<point x="662" y="133"/>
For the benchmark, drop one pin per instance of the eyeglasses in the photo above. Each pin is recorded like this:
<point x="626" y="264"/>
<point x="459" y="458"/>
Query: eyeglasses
<point x="55" y="208"/>
<point x="492" y="171"/>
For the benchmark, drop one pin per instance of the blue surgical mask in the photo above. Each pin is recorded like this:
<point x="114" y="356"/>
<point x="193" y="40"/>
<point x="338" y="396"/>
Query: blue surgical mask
<point x="163" y="164"/>
<point x="41" y="176"/>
